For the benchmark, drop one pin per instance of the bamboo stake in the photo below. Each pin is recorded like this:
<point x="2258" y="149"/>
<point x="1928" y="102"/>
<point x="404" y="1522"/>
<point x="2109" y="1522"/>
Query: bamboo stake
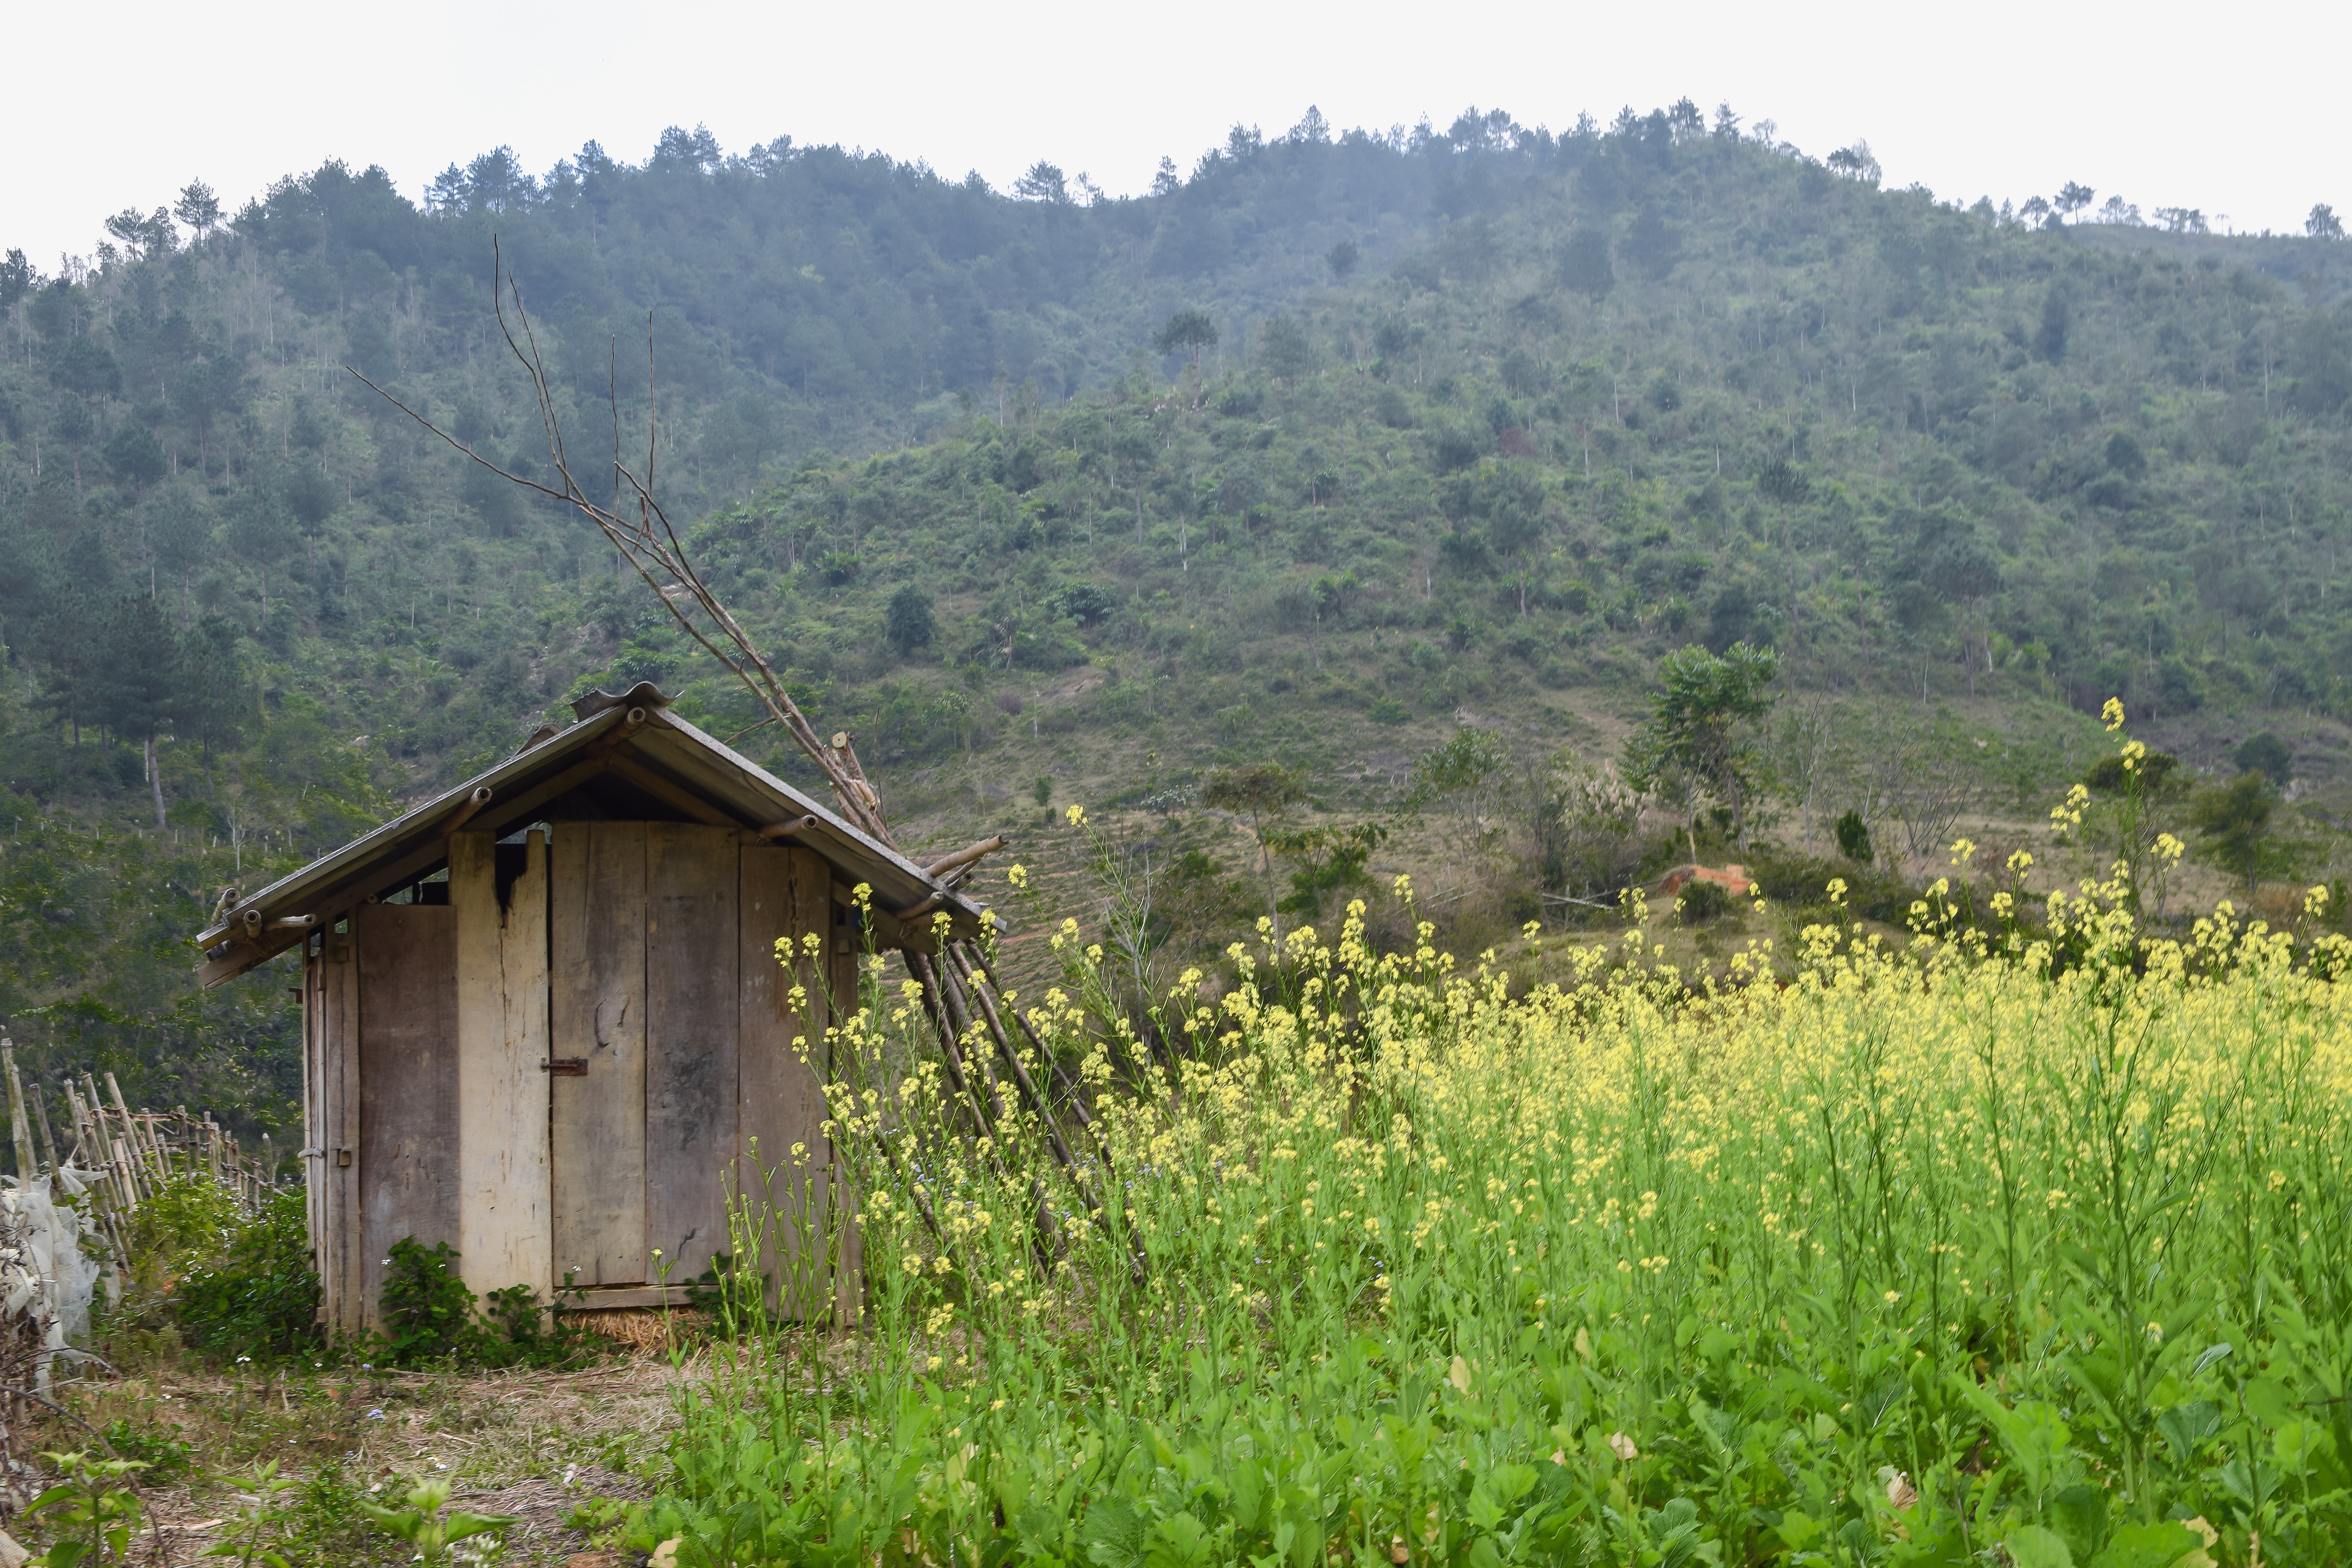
<point x="48" y="1143"/>
<point x="102" y="1143"/>
<point x="129" y="1128"/>
<point x="18" y="1129"/>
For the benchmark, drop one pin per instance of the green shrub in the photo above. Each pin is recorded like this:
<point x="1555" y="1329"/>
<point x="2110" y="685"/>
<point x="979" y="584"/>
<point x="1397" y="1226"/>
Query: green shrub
<point x="187" y="1223"/>
<point x="428" y="1313"/>
<point x="257" y="1295"/>
<point x="165" y="1457"/>
<point x="430" y="1316"/>
<point x="1853" y="838"/>
<point x="2109" y="775"/>
<point x="1801" y="881"/>
<point x="1701" y="901"/>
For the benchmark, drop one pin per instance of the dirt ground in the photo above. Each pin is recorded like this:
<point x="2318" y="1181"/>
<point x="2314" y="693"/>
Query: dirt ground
<point x="536" y="1445"/>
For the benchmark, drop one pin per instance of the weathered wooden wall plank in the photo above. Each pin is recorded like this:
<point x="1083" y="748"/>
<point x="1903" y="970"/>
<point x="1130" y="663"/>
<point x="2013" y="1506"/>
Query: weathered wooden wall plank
<point x="504" y="1230"/>
<point x="407" y="1160"/>
<point x="691" y="874"/>
<point x="597" y="1016"/>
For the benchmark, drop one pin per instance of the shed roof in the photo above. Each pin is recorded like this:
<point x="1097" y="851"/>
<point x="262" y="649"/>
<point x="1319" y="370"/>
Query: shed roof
<point x="625" y="757"/>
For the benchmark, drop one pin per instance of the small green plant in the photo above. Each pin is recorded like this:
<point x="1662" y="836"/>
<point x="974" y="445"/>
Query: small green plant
<point x="1042" y="792"/>
<point x="424" y="1526"/>
<point x="600" y="1520"/>
<point x="323" y="1523"/>
<point x="165" y="1457"/>
<point x="262" y="1518"/>
<point x="97" y="1510"/>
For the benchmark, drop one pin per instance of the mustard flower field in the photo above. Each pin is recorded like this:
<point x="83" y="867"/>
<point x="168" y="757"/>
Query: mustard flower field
<point x="1967" y="1249"/>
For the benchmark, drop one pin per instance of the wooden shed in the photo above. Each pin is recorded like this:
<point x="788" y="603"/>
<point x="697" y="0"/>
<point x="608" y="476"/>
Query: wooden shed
<point x="543" y="1018"/>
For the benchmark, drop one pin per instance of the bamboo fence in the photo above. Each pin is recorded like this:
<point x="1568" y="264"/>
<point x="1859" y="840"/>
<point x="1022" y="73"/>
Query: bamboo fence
<point x="120" y="1156"/>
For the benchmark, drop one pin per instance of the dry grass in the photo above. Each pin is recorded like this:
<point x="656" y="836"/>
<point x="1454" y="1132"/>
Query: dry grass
<point x="537" y="1444"/>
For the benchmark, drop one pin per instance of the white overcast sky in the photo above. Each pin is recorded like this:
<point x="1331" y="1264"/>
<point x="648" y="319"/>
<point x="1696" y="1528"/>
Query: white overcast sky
<point x="2233" y="111"/>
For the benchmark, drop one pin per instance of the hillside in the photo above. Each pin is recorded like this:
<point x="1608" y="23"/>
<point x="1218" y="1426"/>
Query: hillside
<point x="1471" y="427"/>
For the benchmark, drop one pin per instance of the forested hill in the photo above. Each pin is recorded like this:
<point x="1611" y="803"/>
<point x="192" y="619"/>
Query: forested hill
<point x="1314" y="454"/>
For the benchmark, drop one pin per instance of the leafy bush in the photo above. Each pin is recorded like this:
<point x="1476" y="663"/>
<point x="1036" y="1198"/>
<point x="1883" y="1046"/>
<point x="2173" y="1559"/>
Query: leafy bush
<point x="1801" y="881"/>
<point x="2109" y="775"/>
<point x="430" y="1316"/>
<point x="165" y="1456"/>
<point x="259" y="1295"/>
<point x="1701" y="901"/>
<point x="1853" y="838"/>
<point x="428" y="1313"/>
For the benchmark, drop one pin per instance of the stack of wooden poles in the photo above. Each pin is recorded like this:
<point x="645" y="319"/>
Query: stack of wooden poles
<point x="121" y="1155"/>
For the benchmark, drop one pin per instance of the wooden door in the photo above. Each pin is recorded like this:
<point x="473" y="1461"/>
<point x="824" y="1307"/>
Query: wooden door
<point x="596" y="929"/>
<point x="691" y="1058"/>
<point x="682" y="1094"/>
<point x="643" y="1014"/>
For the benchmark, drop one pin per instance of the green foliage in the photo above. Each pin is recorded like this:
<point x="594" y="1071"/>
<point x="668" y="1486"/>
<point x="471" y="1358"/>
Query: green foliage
<point x="322" y="1522"/>
<point x="1700" y="901"/>
<point x="907" y="622"/>
<point x="1468" y="762"/>
<point x="186" y="1224"/>
<point x="2266" y="754"/>
<point x="424" y="1526"/>
<point x="259" y="1528"/>
<point x="1697" y="740"/>
<point x="257" y="1294"/>
<point x="2149" y="773"/>
<point x="1852" y="836"/>
<point x="1329" y="860"/>
<point x="93" y="1510"/>
<point x="432" y="1318"/>
<point x="428" y="1312"/>
<point x="1798" y="881"/>
<point x="166" y="1457"/>
<point x="2234" y="820"/>
<point x="1188" y="331"/>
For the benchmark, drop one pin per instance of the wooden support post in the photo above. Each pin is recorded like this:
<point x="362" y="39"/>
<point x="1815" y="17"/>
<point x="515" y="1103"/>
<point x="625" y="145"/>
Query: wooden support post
<point x="504" y="1197"/>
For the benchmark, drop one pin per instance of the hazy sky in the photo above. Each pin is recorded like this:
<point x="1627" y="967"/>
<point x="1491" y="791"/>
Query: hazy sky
<point x="2231" y="110"/>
